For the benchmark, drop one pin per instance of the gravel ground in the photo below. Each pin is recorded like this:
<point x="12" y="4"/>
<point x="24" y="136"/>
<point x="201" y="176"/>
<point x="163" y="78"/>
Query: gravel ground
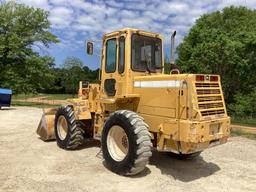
<point x="29" y="164"/>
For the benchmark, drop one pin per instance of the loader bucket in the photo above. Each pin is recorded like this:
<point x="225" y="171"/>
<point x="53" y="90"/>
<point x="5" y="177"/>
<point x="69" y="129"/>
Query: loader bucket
<point x="46" y="126"/>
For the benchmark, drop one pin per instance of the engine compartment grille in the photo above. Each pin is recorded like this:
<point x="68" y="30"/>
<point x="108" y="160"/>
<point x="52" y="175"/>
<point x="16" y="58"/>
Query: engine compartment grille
<point x="209" y="98"/>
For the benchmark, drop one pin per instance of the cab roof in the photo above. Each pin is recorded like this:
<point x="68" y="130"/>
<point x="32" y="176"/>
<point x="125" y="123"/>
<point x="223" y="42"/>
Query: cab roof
<point x="132" y="30"/>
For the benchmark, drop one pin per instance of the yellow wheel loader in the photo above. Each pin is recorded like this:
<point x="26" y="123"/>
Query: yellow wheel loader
<point x="136" y="107"/>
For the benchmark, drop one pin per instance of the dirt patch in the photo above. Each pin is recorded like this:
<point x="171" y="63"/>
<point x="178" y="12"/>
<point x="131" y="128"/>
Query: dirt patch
<point x="43" y="100"/>
<point x="29" y="164"/>
<point x="244" y="128"/>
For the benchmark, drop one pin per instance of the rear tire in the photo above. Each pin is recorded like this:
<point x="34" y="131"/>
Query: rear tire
<point x="69" y="134"/>
<point x="126" y="143"/>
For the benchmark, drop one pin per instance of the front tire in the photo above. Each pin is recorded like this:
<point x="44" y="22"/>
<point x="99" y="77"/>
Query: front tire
<point x="69" y="135"/>
<point x="126" y="143"/>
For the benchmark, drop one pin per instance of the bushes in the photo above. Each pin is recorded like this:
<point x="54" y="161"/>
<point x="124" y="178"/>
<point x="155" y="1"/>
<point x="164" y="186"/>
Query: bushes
<point x="244" y="105"/>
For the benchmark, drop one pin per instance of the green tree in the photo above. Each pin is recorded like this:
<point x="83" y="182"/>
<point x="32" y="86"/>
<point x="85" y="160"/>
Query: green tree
<point x="73" y="70"/>
<point x="72" y="73"/>
<point x="71" y="62"/>
<point x="244" y="105"/>
<point x="223" y="42"/>
<point x="92" y="75"/>
<point x="23" y="28"/>
<point x="167" y="65"/>
<point x="66" y="77"/>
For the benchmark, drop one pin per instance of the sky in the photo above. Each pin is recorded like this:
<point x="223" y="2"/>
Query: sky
<point x="75" y="21"/>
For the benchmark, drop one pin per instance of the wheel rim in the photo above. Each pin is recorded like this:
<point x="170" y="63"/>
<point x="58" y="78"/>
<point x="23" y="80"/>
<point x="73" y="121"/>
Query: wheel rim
<point x="62" y="127"/>
<point x="117" y="143"/>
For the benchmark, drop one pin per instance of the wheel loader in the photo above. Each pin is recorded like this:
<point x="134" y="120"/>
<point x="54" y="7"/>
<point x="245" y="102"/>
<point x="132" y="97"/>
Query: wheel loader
<point x="137" y="108"/>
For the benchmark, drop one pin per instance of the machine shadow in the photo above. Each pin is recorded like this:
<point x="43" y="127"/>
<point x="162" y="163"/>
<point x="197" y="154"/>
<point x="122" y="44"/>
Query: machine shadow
<point x="183" y="170"/>
<point x="48" y="141"/>
<point x="89" y="143"/>
<point x="144" y="173"/>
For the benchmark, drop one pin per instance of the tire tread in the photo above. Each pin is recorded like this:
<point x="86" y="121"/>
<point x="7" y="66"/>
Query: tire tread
<point x="75" y="132"/>
<point x="140" y="128"/>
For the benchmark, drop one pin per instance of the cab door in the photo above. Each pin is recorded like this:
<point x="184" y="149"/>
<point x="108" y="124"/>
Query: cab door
<point x="114" y="66"/>
<point x="121" y="77"/>
<point x="109" y="68"/>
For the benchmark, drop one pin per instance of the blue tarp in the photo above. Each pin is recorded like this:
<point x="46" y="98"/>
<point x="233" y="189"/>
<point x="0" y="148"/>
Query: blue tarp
<point x="5" y="91"/>
<point x="5" y="97"/>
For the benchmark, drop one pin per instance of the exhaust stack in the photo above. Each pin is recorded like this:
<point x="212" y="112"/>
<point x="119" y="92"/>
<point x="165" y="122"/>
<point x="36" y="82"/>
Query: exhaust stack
<point x="172" y="47"/>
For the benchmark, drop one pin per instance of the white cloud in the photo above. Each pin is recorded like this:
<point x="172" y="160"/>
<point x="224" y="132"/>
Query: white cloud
<point x="248" y="3"/>
<point x="128" y="14"/>
<point x="43" y="4"/>
<point x="61" y="17"/>
<point x="59" y="2"/>
<point x="174" y="7"/>
<point x="158" y="16"/>
<point x="78" y="20"/>
<point x="136" y="5"/>
<point x="113" y="3"/>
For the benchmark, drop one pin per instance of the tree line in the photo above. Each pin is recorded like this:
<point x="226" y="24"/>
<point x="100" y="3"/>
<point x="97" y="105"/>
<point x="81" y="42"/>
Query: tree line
<point x="66" y="79"/>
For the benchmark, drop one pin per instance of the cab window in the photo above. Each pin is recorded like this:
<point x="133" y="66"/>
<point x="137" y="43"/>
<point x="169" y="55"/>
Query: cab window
<point x="146" y="53"/>
<point x="121" y="55"/>
<point x="110" y="56"/>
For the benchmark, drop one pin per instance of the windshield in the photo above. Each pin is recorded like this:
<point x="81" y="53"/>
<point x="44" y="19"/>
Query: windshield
<point x="146" y="53"/>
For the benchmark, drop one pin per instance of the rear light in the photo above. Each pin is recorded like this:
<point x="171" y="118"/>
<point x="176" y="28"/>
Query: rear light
<point x="200" y="78"/>
<point x="214" y="78"/>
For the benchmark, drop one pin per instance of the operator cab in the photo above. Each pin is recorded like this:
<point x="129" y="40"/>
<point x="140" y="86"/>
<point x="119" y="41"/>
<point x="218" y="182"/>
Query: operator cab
<point x="128" y="53"/>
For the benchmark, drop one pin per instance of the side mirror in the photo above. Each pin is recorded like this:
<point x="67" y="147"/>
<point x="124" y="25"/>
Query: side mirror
<point x="89" y="48"/>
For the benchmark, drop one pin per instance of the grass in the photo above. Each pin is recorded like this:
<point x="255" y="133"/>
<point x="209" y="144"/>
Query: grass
<point x="32" y="104"/>
<point x="49" y="96"/>
<point x="235" y="133"/>
<point x="244" y="121"/>
<point x="60" y="96"/>
<point x="24" y="96"/>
